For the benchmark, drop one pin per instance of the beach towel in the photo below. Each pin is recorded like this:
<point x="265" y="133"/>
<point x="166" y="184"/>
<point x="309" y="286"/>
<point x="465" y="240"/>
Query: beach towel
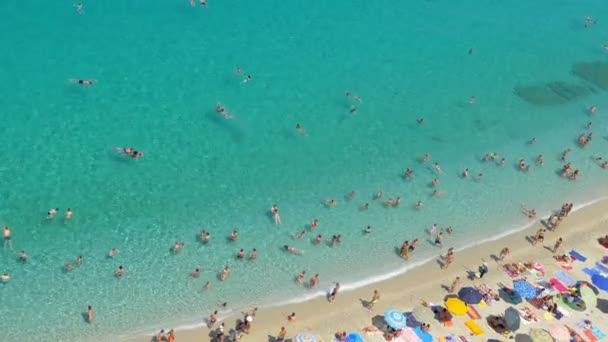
<point x="472" y="313"/>
<point x="424" y="336"/>
<point x="597" y="332"/>
<point x="601" y="267"/>
<point x="548" y="316"/>
<point x="577" y="256"/>
<point x="558" y="285"/>
<point x="511" y="274"/>
<point x="590" y="271"/>
<point x="475" y="329"/>
<point x="590" y="335"/>
<point x="561" y="276"/>
<point x="411" y="320"/>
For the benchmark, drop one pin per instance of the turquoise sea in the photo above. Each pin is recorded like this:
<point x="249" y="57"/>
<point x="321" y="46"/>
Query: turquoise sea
<point x="161" y="67"/>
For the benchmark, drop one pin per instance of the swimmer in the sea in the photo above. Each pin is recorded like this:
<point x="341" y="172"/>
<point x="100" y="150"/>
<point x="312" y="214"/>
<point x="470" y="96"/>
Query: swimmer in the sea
<point x="351" y="195"/>
<point x="113" y="252"/>
<point x="222" y="111"/>
<point x="420" y="121"/>
<point x="419" y="205"/>
<point x="379" y="195"/>
<point x="292" y="249"/>
<point x="196" y="273"/>
<point x="299" y="235"/>
<point x="353" y="110"/>
<point x="247" y="79"/>
<point x="367" y="230"/>
<point x="301" y="276"/>
<point x="331" y="202"/>
<point x="472" y="100"/>
<point x="79" y="8"/>
<point x="52" y="213"/>
<point x="83" y="82"/>
<point x="300" y="129"/>
<point x="438" y="168"/>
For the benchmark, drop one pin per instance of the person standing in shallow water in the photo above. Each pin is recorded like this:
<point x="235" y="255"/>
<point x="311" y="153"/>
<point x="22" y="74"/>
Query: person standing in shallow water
<point x="90" y="314"/>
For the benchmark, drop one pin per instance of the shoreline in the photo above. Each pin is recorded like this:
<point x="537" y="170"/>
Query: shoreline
<point x="312" y="311"/>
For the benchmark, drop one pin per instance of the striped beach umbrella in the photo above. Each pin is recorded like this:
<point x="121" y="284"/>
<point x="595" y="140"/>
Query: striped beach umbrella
<point x="304" y="337"/>
<point x="395" y="319"/>
<point x="540" y="335"/>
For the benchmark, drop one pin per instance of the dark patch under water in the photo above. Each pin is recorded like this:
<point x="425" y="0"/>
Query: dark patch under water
<point x="595" y="73"/>
<point x="553" y="93"/>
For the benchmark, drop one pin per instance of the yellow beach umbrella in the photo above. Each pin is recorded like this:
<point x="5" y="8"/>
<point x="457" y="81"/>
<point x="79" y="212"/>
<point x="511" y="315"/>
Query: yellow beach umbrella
<point x="456" y="306"/>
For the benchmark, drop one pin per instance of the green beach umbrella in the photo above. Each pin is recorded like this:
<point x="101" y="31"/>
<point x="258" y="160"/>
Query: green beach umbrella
<point x="588" y="296"/>
<point x="541" y="335"/>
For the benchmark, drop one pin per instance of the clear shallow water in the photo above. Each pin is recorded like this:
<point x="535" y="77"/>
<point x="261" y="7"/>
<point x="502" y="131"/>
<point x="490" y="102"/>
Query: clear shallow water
<point x="162" y="67"/>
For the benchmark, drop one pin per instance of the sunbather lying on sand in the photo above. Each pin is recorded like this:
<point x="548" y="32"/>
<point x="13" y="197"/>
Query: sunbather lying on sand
<point x="562" y="258"/>
<point x="369" y="329"/>
<point x="527" y="314"/>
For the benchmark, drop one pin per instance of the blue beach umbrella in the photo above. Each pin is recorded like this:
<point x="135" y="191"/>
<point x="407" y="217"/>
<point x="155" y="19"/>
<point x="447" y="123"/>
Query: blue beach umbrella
<point x="470" y="295"/>
<point x="600" y="282"/>
<point x="395" y="319"/>
<point x="354" y="337"/>
<point x="304" y="337"/>
<point x="524" y="289"/>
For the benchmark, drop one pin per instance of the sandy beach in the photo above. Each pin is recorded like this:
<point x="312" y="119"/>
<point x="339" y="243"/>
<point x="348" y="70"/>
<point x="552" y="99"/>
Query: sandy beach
<point x="429" y="282"/>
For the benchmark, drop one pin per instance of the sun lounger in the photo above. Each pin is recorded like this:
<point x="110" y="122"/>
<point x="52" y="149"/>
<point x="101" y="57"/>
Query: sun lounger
<point x="577" y="256"/>
<point x="411" y="320"/>
<point x="590" y="271"/>
<point x="472" y="313"/>
<point x="590" y="335"/>
<point x="474" y="327"/>
<point x="558" y="285"/>
<point x="424" y="336"/>
<point x="561" y="276"/>
<point x="597" y="332"/>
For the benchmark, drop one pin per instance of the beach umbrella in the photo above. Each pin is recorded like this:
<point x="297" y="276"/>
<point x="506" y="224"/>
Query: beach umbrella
<point x="456" y="306"/>
<point x="422" y="314"/>
<point x="600" y="282"/>
<point x="304" y="337"/>
<point x="588" y="296"/>
<point x="470" y="295"/>
<point x="524" y="289"/>
<point x="395" y="319"/>
<point x="512" y="318"/>
<point x="559" y="332"/>
<point x="354" y="337"/>
<point x="523" y="338"/>
<point x="540" y="335"/>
